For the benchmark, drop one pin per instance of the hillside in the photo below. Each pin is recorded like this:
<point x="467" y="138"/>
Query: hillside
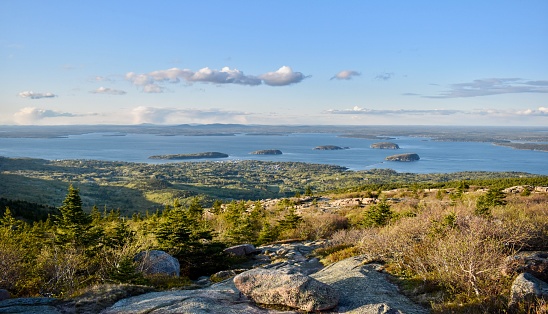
<point x="138" y="187"/>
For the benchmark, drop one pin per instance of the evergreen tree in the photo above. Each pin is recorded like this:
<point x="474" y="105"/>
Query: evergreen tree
<point x="377" y="215"/>
<point x="9" y="222"/>
<point x="126" y="272"/>
<point x="267" y="234"/>
<point x="73" y="224"/>
<point x="492" y="198"/>
<point x="290" y="221"/>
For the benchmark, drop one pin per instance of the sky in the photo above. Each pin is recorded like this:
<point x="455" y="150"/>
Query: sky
<point x="314" y="62"/>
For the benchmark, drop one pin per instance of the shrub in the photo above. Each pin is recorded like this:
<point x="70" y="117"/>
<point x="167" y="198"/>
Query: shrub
<point x="321" y="226"/>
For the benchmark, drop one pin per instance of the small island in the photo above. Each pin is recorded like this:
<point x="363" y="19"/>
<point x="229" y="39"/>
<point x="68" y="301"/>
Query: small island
<point x="329" y="147"/>
<point x="403" y="157"/>
<point x="190" y="156"/>
<point x="267" y="152"/>
<point x="385" y="145"/>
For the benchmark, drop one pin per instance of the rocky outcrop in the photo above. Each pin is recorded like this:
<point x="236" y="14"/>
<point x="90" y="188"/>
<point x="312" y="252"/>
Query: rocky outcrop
<point x="532" y="262"/>
<point x="30" y="306"/>
<point x="518" y="189"/>
<point x="219" y="298"/>
<point x="242" y="250"/>
<point x="527" y="288"/>
<point x="403" y="157"/>
<point x="385" y="145"/>
<point x="267" y="152"/>
<point x="365" y="289"/>
<point x="272" y="287"/>
<point x="158" y="262"/>
<point x="289" y="258"/>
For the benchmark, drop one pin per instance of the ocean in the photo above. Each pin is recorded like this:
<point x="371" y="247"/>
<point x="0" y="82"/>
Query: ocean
<point x="435" y="156"/>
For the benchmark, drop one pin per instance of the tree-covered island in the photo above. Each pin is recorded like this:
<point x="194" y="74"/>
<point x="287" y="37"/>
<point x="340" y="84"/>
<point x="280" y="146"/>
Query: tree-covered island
<point x="267" y="152"/>
<point x="385" y="145"/>
<point x="190" y="156"/>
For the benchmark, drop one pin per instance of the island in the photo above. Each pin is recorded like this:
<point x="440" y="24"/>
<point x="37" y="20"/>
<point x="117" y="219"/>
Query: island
<point x="329" y="147"/>
<point x="385" y="145"/>
<point x="403" y="157"/>
<point x="267" y="152"/>
<point x="190" y="156"/>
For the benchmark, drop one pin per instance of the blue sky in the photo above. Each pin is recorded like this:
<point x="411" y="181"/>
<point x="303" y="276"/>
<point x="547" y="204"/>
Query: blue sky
<point x="274" y="62"/>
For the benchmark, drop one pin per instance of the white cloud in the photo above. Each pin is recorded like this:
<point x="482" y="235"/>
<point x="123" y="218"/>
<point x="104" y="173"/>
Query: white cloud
<point x="541" y="111"/>
<point x="225" y="76"/>
<point x="283" y="76"/>
<point x="33" y="95"/>
<point x="108" y="91"/>
<point x="150" y="82"/>
<point x="346" y="75"/>
<point x="31" y="115"/>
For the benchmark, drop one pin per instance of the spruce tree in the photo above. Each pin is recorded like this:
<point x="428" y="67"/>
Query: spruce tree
<point x="73" y="224"/>
<point x="377" y="215"/>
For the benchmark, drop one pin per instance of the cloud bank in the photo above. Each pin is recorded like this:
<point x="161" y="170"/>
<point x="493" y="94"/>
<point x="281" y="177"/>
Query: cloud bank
<point x="137" y="115"/>
<point x="493" y="86"/>
<point x="346" y="75"/>
<point x="158" y="115"/>
<point x="541" y="111"/>
<point x="150" y="82"/>
<point x="31" y="115"/>
<point x="33" y="95"/>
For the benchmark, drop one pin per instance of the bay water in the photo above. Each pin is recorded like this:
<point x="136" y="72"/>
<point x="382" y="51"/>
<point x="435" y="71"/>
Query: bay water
<point x="435" y="156"/>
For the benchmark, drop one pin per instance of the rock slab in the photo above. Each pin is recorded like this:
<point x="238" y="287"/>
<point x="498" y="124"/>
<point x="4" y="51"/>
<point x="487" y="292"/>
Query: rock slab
<point x="220" y="298"/>
<point x="365" y="289"/>
<point x="266" y="286"/>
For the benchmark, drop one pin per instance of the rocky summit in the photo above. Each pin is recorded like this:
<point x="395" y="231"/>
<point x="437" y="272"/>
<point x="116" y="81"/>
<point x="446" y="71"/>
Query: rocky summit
<point x="280" y="275"/>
